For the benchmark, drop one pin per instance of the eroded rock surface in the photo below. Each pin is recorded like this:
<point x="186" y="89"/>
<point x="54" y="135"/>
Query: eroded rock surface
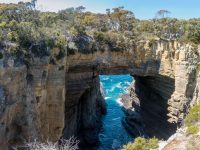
<point x="50" y="99"/>
<point x="163" y="100"/>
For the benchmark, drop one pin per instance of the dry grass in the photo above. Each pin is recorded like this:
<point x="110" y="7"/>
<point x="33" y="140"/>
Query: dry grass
<point x="70" y="144"/>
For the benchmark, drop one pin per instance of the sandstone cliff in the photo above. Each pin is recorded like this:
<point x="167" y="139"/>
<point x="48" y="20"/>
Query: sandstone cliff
<point x="43" y="101"/>
<point x="162" y="101"/>
<point x="49" y="99"/>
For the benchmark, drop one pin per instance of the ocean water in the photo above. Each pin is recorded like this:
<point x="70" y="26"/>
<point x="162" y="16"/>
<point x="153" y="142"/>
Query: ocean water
<point x="113" y="135"/>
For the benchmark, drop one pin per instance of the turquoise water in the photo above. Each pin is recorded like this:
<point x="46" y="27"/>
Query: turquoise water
<point x="113" y="135"/>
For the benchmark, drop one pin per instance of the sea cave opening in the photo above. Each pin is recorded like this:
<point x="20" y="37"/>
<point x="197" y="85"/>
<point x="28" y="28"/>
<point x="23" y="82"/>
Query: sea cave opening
<point x="113" y="135"/>
<point x="150" y="94"/>
<point x="149" y="98"/>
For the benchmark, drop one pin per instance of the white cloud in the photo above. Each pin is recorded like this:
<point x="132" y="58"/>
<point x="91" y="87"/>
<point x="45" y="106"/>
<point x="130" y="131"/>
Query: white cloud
<point x="55" y="5"/>
<point x="12" y="1"/>
<point x="49" y="5"/>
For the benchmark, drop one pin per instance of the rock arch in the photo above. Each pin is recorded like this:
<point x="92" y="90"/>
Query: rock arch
<point x="168" y="68"/>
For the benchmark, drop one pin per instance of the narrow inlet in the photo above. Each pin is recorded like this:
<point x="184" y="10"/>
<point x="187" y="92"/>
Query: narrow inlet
<point x="113" y="135"/>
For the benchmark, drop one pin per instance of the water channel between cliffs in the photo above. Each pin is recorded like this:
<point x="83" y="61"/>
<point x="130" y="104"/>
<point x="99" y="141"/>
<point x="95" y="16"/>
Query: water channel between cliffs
<point x="113" y="135"/>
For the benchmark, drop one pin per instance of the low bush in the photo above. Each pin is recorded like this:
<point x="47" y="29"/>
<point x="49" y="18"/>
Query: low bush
<point x="198" y="68"/>
<point x="192" y="130"/>
<point x="142" y="144"/>
<point x="99" y="36"/>
<point x="193" y="119"/>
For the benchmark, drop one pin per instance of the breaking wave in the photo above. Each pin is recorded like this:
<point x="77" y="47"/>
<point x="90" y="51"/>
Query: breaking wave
<point x="113" y="135"/>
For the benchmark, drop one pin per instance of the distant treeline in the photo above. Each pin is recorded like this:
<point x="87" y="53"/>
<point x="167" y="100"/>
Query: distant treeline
<point x="23" y="28"/>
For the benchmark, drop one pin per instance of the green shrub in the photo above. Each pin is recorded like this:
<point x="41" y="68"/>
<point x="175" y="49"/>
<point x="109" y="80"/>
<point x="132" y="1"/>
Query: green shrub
<point x="3" y="24"/>
<point x="194" y="116"/>
<point x="195" y="37"/>
<point x="60" y="42"/>
<point x="142" y="144"/>
<point x="104" y="29"/>
<point x="99" y="36"/>
<point x="198" y="68"/>
<point x="192" y="130"/>
<point x="192" y="120"/>
<point x="12" y="36"/>
<point x="153" y="143"/>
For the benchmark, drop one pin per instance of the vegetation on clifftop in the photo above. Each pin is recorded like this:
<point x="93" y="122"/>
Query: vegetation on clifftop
<point x="192" y="120"/>
<point x="25" y="30"/>
<point x="192" y="123"/>
<point x="142" y="144"/>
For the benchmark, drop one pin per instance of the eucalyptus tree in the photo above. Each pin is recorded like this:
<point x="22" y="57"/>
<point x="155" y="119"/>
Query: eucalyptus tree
<point x="163" y="13"/>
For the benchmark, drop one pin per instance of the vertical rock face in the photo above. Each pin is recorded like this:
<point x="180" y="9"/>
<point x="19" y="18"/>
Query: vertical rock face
<point x="83" y="107"/>
<point x="12" y="106"/>
<point x="162" y="100"/>
<point x="51" y="99"/>
<point x="45" y="102"/>
<point x="48" y="86"/>
<point x="149" y="97"/>
<point x="33" y="102"/>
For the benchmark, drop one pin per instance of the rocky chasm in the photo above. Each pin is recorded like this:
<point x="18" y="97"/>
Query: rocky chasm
<point x="52" y="99"/>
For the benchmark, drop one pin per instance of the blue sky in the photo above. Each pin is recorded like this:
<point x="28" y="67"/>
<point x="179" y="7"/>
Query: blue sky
<point x="143" y="9"/>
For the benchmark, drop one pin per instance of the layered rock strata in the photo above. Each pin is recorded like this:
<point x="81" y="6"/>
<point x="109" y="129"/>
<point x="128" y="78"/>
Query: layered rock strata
<point x="163" y="100"/>
<point x="50" y="99"/>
